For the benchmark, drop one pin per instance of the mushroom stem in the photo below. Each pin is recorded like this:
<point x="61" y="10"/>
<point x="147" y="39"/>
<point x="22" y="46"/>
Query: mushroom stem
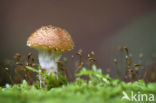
<point x="48" y="60"/>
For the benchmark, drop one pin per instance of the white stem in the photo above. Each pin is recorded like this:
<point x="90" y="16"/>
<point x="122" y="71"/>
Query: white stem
<point x="48" y="60"/>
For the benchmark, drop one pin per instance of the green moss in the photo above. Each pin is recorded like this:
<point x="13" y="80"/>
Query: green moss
<point x="99" y="89"/>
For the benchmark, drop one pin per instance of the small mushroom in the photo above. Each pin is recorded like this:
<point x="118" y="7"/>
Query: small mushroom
<point x="50" y="41"/>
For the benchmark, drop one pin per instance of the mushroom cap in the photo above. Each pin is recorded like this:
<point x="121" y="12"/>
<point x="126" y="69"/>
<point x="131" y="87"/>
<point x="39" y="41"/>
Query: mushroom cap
<point x="51" y="38"/>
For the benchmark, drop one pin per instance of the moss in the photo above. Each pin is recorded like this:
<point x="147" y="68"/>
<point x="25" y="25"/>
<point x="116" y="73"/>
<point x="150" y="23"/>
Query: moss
<point x="99" y="89"/>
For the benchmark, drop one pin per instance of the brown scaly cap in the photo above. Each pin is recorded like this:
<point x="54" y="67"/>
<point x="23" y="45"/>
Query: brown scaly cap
<point x="52" y="38"/>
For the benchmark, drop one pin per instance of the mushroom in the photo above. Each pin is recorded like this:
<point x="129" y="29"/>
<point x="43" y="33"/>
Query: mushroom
<point x="50" y="42"/>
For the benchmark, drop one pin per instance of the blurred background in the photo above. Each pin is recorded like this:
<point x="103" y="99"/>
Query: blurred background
<point x="99" y="25"/>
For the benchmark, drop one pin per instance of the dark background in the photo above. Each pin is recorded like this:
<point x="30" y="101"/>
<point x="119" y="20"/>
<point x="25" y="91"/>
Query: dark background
<point x="99" y="25"/>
